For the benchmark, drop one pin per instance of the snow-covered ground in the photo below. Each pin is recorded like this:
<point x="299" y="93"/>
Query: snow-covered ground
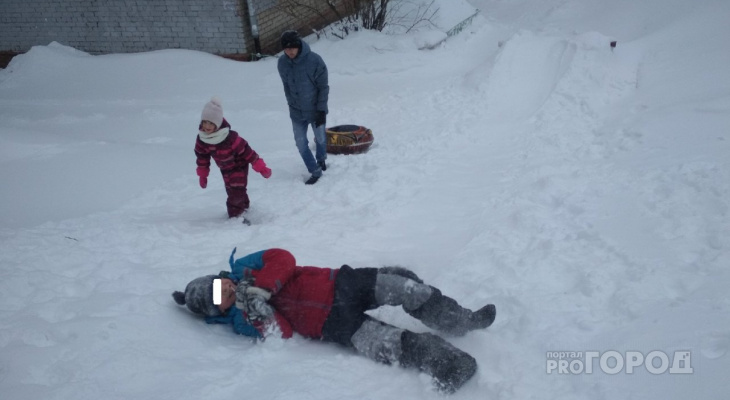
<point x="585" y="191"/>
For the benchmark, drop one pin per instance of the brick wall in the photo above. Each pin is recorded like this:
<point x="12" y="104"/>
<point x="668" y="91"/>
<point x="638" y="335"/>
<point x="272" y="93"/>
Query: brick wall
<point x="122" y="26"/>
<point x="125" y="26"/>
<point x="304" y="16"/>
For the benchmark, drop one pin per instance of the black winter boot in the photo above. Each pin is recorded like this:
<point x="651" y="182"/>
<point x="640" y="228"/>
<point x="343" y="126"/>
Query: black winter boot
<point x="446" y="315"/>
<point x="483" y="317"/>
<point x="449" y="366"/>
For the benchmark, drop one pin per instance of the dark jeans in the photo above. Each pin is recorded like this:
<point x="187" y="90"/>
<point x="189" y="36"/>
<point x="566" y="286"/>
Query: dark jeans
<point x="320" y="140"/>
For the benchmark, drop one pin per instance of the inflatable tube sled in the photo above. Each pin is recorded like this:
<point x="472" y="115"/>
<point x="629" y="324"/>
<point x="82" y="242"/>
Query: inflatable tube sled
<point x="349" y="139"/>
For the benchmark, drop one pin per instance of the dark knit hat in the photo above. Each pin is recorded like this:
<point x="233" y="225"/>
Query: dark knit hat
<point x="198" y="296"/>
<point x="290" y="40"/>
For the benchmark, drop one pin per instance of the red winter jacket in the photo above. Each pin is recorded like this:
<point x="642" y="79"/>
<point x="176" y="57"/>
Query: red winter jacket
<point x="303" y="296"/>
<point x="232" y="156"/>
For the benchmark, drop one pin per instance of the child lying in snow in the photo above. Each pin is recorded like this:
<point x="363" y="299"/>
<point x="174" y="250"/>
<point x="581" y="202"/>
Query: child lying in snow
<point x="267" y="290"/>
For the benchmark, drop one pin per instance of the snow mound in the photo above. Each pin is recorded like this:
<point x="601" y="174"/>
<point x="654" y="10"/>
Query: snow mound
<point x="530" y="69"/>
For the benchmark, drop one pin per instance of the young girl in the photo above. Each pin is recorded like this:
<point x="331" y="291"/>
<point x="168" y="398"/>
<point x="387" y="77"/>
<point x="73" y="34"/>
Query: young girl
<point x="231" y="153"/>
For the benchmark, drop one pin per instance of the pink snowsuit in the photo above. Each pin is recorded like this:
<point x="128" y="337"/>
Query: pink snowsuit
<point x="232" y="155"/>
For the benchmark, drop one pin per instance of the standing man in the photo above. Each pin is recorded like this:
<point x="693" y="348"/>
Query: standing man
<point x="304" y="75"/>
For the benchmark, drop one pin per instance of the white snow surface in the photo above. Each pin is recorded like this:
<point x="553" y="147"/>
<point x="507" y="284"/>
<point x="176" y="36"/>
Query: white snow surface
<point x="583" y="190"/>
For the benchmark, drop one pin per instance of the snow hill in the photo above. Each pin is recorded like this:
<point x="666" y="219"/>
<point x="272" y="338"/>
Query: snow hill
<point x="524" y="162"/>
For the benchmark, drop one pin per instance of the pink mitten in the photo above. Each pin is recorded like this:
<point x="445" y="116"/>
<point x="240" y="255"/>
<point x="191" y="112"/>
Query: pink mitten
<point x="203" y="174"/>
<point x="260" y="166"/>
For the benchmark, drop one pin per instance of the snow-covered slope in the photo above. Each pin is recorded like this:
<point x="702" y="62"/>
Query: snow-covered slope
<point x="582" y="189"/>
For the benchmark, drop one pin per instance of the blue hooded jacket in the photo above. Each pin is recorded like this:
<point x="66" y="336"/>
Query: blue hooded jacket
<point x="234" y="316"/>
<point x="305" y="84"/>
